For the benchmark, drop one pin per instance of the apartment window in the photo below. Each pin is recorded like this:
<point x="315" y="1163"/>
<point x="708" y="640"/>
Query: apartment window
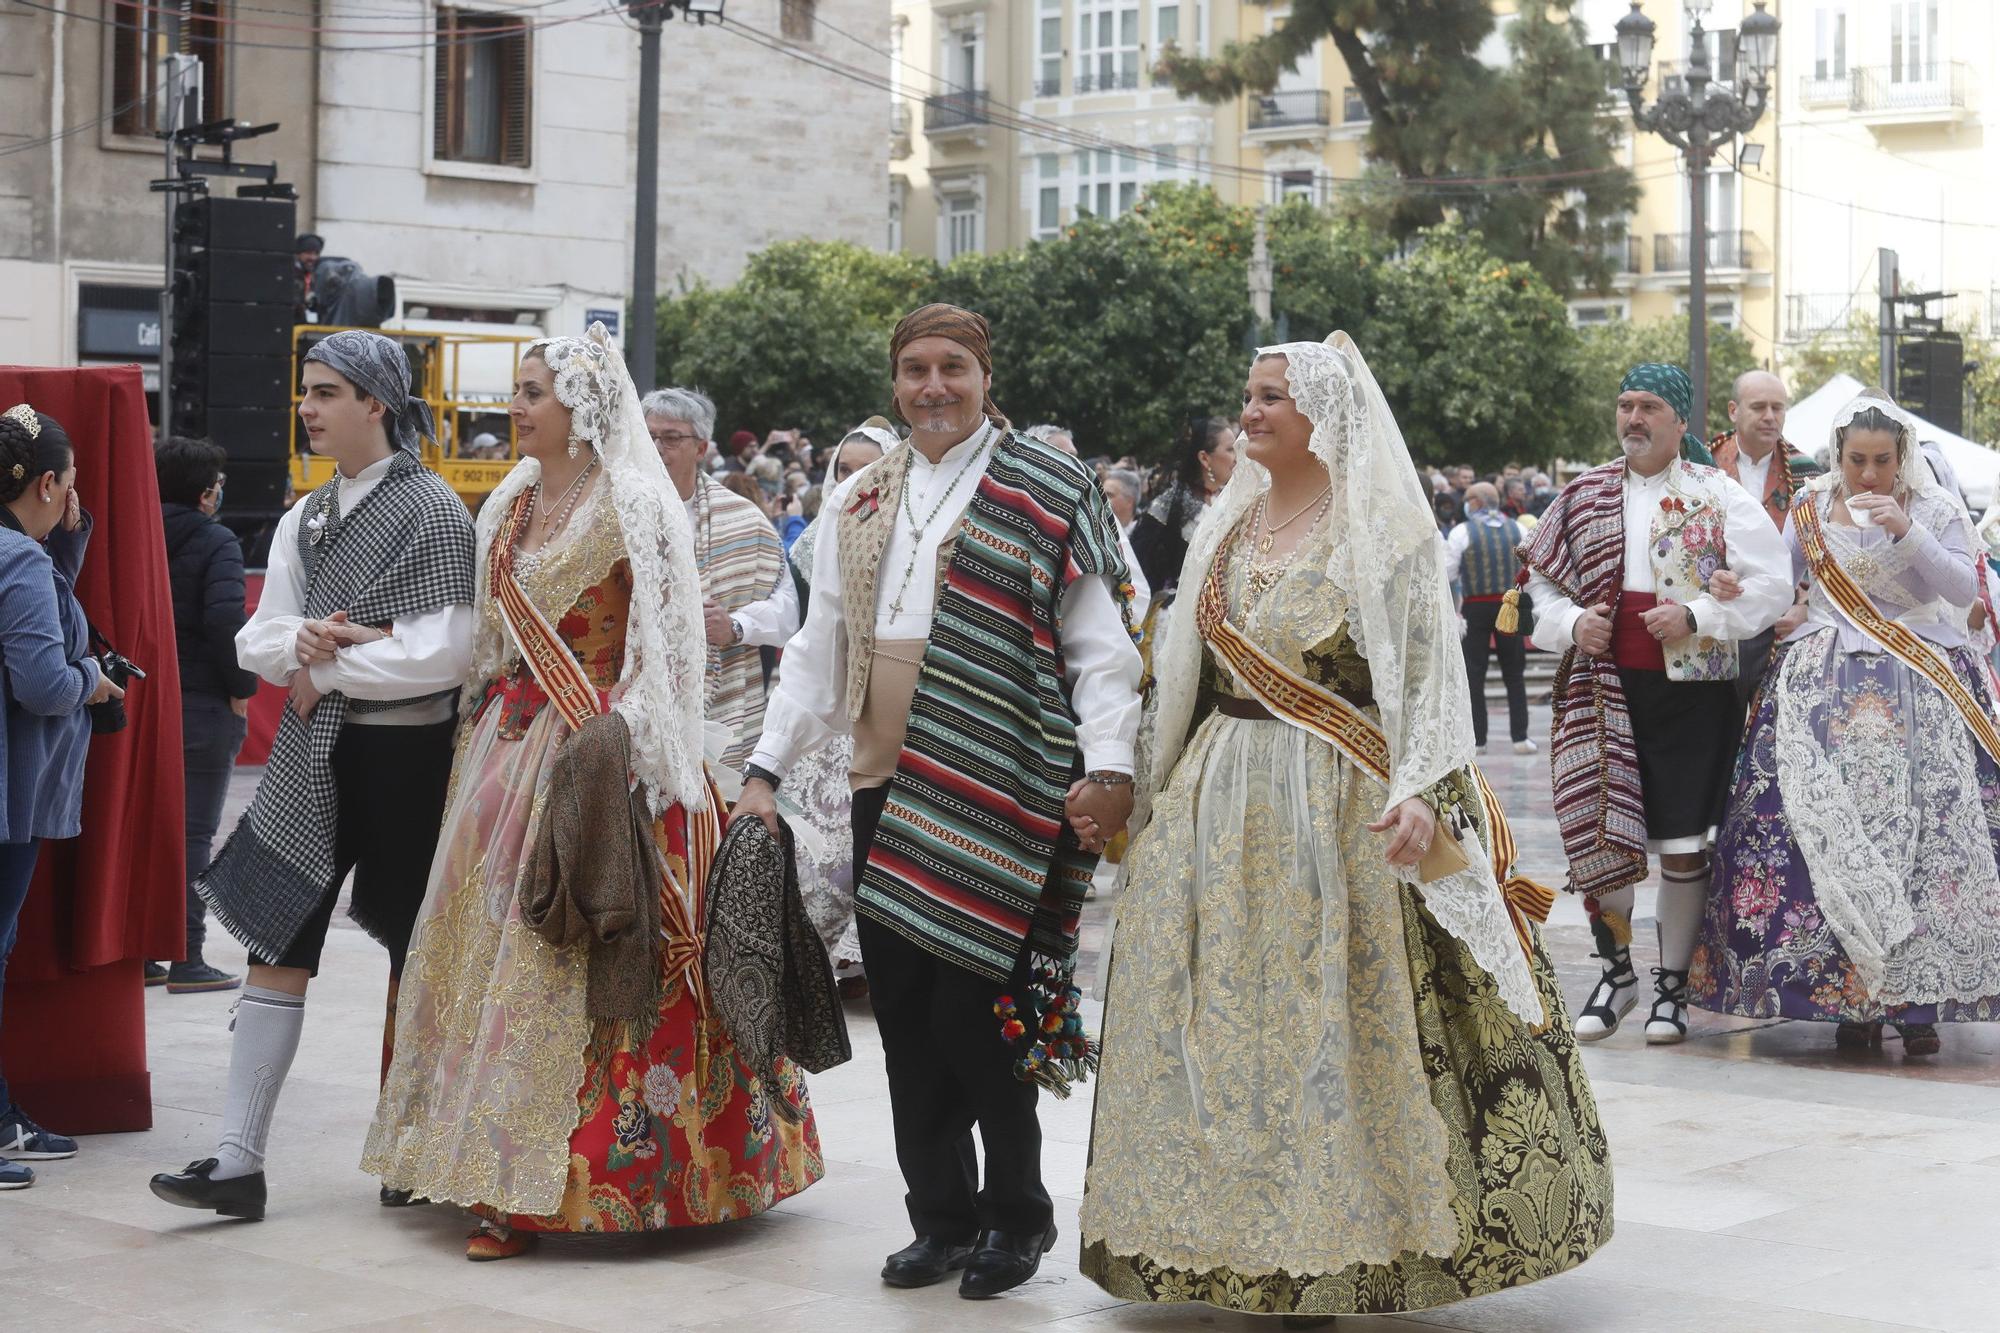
<point x="1298" y="185"/>
<point x="139" y="45"/>
<point x="798" y="20"/>
<point x="1722" y="54"/>
<point x="1107" y="183"/>
<point x="1913" y="41"/>
<point x="1107" y="46"/>
<point x="964" y="225"/>
<point x="1585" y="314"/>
<point x="1048" y="196"/>
<point x="1830" y="44"/>
<point x="1048" y="49"/>
<point x="482" y="93"/>
<point x="962" y="57"/>
<point x="1166" y="24"/>
<point x="1353" y="111"/>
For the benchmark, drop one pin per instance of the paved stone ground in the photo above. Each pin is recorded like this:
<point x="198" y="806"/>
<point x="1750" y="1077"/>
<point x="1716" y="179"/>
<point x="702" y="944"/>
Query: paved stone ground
<point x="1765" y="1183"/>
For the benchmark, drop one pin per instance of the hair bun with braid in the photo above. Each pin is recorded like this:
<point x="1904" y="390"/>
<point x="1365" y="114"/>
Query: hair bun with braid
<point x="30" y="445"/>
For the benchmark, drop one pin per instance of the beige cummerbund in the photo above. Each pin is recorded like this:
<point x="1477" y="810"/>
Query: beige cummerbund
<point x="885" y="711"/>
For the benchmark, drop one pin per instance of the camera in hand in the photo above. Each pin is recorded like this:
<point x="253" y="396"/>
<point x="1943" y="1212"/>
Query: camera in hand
<point x="120" y="670"/>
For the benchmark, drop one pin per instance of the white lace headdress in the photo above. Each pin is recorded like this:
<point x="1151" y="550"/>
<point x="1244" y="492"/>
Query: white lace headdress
<point x="1387" y="561"/>
<point x="661" y="689"/>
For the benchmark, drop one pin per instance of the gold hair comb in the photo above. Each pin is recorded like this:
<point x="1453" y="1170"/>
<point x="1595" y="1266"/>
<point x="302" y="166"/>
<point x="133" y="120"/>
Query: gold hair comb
<point x="24" y="414"/>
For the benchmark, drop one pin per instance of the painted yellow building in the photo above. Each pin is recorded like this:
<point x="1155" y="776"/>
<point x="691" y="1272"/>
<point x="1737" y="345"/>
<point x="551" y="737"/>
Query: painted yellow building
<point x="1011" y="116"/>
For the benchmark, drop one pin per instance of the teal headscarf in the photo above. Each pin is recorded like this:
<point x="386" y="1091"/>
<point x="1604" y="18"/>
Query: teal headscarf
<point x="1671" y="384"/>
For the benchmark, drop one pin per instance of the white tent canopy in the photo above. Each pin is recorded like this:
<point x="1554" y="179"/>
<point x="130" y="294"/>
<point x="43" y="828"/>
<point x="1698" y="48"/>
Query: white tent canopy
<point x="1809" y="427"/>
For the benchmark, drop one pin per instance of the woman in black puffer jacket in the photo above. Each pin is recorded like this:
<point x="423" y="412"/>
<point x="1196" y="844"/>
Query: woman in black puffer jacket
<point x="205" y="568"/>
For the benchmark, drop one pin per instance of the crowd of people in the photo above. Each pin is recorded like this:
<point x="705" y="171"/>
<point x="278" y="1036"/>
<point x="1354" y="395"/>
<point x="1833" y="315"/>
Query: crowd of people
<point x="956" y="671"/>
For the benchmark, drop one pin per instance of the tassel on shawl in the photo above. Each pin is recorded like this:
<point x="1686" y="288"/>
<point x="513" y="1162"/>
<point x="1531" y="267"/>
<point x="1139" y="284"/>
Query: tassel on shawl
<point x="1508" y="620"/>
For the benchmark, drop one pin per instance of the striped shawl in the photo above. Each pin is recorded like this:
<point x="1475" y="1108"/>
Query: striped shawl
<point x="741" y="560"/>
<point x="973" y="860"/>
<point x="1579" y="546"/>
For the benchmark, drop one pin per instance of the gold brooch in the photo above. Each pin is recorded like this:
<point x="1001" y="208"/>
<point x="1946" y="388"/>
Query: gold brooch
<point x="31" y="423"/>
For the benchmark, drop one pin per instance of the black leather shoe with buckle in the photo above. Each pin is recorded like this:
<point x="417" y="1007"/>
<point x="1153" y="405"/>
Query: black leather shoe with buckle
<point x="925" y="1261"/>
<point x="1003" y="1260"/>
<point x="239" y="1196"/>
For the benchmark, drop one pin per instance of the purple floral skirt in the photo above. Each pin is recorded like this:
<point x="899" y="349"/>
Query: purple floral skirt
<point x="1765" y="949"/>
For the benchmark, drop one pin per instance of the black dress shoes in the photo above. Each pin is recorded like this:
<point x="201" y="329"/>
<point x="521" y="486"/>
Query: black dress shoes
<point x="239" y="1196"/>
<point x="925" y="1261"/>
<point x="1002" y="1261"/>
<point x="401" y="1198"/>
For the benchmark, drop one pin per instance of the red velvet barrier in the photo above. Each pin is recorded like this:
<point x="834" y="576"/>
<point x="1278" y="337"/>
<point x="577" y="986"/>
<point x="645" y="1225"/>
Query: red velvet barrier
<point x="74" y="1038"/>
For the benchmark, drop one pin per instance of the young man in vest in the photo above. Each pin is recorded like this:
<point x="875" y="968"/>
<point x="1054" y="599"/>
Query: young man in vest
<point x="367" y="616"/>
<point x="1481" y="563"/>
<point x="749" y="601"/>
<point x="1646" y="713"/>
<point x="967" y="627"/>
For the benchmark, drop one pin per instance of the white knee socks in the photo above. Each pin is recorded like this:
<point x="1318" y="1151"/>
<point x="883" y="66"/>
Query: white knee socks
<point x="1683" y="895"/>
<point x="267" y="1026"/>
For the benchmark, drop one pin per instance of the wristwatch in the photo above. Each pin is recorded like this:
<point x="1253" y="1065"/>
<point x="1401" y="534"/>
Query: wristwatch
<point x="757" y="771"/>
<point x="735" y="631"/>
<point x="1689" y="612"/>
<point x="1106" y="777"/>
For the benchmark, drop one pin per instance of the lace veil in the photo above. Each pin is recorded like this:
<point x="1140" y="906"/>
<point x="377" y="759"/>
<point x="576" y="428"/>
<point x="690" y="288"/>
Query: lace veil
<point x="660" y="690"/>
<point x="1388" y="563"/>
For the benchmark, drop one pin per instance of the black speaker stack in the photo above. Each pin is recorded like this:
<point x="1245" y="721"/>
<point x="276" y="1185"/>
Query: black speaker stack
<point x="235" y="294"/>
<point x="1930" y="377"/>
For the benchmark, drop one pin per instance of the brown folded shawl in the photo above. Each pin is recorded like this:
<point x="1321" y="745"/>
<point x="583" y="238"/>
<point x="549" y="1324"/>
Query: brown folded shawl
<point x="594" y="873"/>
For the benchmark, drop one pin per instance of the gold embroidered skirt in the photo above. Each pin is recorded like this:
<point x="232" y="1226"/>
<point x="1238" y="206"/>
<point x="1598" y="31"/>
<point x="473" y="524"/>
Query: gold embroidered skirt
<point x="1312" y="1099"/>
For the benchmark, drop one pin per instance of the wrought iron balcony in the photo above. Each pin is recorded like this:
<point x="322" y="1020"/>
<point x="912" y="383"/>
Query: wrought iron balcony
<point x="1623" y="253"/>
<point x="1908" y="93"/>
<point x="1672" y="251"/>
<point x="1048" y="87"/>
<point x="1810" y="313"/>
<point x="945" y="112"/>
<point x="1284" y="110"/>
<point x="1122" y="82"/>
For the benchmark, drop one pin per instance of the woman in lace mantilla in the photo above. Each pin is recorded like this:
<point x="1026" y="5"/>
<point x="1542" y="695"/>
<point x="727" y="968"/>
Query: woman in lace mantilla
<point x="1325" y="1088"/>
<point x="505" y="1094"/>
<point x="1857" y="869"/>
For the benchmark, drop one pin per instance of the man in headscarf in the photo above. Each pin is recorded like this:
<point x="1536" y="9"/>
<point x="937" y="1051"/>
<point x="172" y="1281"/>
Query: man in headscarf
<point x="367" y="617"/>
<point x="1646" y="714"/>
<point x="1671" y="385"/>
<point x="749" y="602"/>
<point x="966" y="627"/>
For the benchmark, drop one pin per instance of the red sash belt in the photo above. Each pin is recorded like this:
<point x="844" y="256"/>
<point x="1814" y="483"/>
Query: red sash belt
<point x="1632" y="644"/>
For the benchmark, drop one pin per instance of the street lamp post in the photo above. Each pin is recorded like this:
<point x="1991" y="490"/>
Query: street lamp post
<point x="651" y="15"/>
<point x="1695" y="120"/>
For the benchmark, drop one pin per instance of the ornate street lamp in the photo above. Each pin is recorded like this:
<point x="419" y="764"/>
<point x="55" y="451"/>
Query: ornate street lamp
<point x="1695" y="117"/>
<point x="651" y="15"/>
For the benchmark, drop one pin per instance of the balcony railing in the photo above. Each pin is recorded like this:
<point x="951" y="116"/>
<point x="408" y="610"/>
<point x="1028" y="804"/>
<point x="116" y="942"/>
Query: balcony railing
<point x="956" y="111"/>
<point x="1831" y="90"/>
<point x="1048" y="87"/>
<point x="1623" y="254"/>
<point x="1899" y="90"/>
<point x="1122" y="82"/>
<point x="1272" y="111"/>
<point x="1810" y="313"/>
<point x="1726" y="249"/>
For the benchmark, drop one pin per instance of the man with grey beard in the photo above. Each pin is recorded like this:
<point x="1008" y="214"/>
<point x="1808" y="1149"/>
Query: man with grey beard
<point x="1646" y="716"/>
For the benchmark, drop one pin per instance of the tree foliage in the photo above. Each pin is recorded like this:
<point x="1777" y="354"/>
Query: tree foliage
<point x="802" y="339"/>
<point x="1121" y="330"/>
<point x="1519" y="153"/>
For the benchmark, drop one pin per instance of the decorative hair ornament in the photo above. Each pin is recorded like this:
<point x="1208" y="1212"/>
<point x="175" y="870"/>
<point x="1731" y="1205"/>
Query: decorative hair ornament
<point x="30" y="422"/>
<point x="585" y="383"/>
<point x="17" y="472"/>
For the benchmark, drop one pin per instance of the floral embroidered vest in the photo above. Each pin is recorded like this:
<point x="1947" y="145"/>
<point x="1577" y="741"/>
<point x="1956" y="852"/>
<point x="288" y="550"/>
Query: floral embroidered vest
<point x="1686" y="545"/>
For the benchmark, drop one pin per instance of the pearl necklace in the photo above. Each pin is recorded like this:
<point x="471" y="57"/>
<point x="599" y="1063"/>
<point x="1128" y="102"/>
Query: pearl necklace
<point x="565" y="506"/>
<point x="917" y="529"/>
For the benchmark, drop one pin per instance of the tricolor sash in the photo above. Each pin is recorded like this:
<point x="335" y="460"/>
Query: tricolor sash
<point x="1317" y="710"/>
<point x="1904" y="646"/>
<point x="576" y="700"/>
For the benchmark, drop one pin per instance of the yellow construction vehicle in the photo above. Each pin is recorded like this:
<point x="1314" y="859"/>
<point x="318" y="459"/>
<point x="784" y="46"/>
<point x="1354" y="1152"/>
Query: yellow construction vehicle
<point x="467" y="378"/>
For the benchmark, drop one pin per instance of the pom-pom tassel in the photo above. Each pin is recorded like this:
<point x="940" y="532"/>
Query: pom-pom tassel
<point x="1508" y="619"/>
